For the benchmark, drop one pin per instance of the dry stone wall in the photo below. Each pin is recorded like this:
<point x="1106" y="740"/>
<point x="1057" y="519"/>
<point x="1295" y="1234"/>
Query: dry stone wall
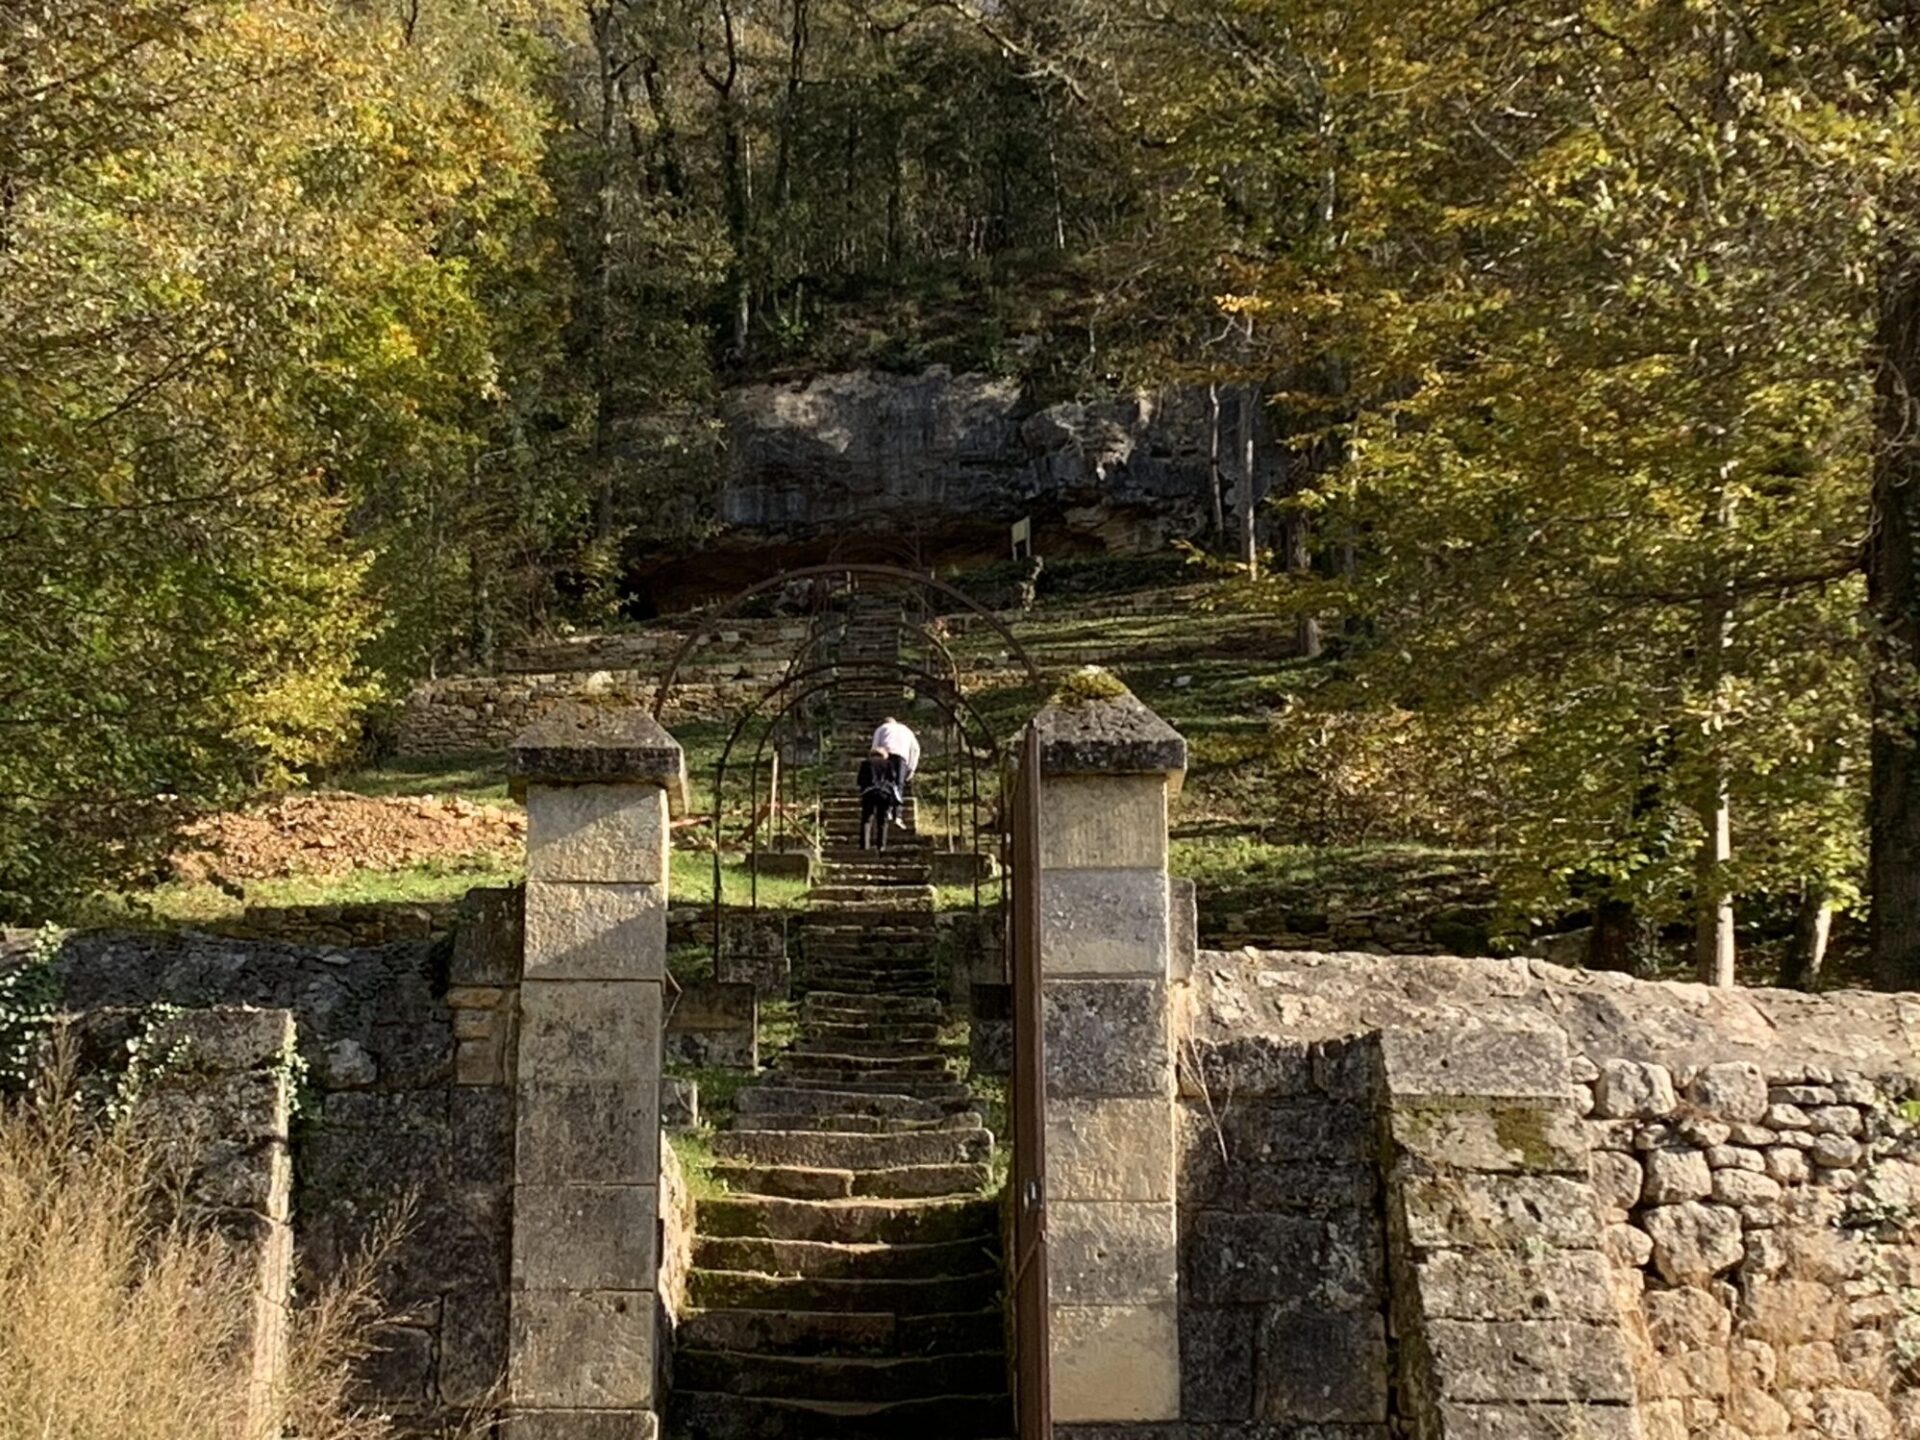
<point x="404" y="1099"/>
<point x="1610" y="1210"/>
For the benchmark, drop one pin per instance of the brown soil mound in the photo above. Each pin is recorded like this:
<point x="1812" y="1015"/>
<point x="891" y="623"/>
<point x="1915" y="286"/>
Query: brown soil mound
<point x="333" y="832"/>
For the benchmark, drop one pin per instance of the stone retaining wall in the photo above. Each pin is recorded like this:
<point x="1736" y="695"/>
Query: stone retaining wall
<point x="480" y="714"/>
<point x="1613" y="1210"/>
<point x="405" y="1100"/>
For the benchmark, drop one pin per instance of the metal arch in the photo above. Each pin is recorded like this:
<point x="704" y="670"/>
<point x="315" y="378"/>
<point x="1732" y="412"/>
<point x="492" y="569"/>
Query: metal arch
<point x="903" y="628"/>
<point x="967" y="750"/>
<point x="828" y="676"/>
<point x="878" y="572"/>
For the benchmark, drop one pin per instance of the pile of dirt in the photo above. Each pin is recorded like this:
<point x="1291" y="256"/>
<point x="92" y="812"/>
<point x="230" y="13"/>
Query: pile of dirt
<point x="332" y="832"/>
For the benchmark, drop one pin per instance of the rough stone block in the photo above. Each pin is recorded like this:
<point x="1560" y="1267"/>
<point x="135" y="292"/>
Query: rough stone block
<point x="1540" y="1422"/>
<point x="597" y="833"/>
<point x="1528" y="1361"/>
<point x="591" y="1030"/>
<point x="1216" y="1361"/>
<point x="473" y="1346"/>
<point x="1515" y="1285"/>
<point x="579" y="742"/>
<point x="586" y="1132"/>
<point x="1104" y="822"/>
<point x="586" y="1351"/>
<point x="1492" y="1064"/>
<point x="595" y="932"/>
<point x="584" y="1237"/>
<point x="1249" y="1066"/>
<point x="1111" y="1253"/>
<point x="784" y="864"/>
<point x="1110" y="735"/>
<point x="1104" y="922"/>
<point x="581" y="1425"/>
<point x="1322" y="1369"/>
<point x="1445" y="1211"/>
<point x="1233" y="1259"/>
<point x="1114" y="1363"/>
<point x="1183" y="928"/>
<point x="481" y="1127"/>
<point x="1110" y="1150"/>
<point x="487" y="939"/>
<point x="1107" y="1037"/>
<point x="1492" y="1137"/>
<point x="1693" y="1242"/>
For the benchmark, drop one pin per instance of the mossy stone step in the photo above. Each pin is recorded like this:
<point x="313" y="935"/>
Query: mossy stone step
<point x="869" y="1032"/>
<point x="810" y="1061"/>
<point x="720" y="1416"/>
<point x="751" y="1290"/>
<point x="829" y="1003"/>
<point x="860" y="1332"/>
<point x="942" y="1090"/>
<point x="780" y="1100"/>
<point x="893" y="1222"/>
<point x="842" y="1260"/>
<point x="807" y="1377"/>
<point x="809" y="1182"/>
<point x="811" y="1042"/>
<point x="843" y="1150"/>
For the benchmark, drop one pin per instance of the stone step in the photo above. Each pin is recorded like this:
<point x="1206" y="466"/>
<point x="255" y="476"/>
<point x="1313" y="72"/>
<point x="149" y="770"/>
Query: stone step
<point x="869" y="1032"/>
<point x="845" y="1150"/>
<point x="860" y="1332"/>
<point x="898" y="982"/>
<point x="845" y="1123"/>
<point x="828" y="1004"/>
<point x="804" y="1062"/>
<point x="882" y="1049"/>
<point x="720" y="1416"/>
<point x="894" y="1222"/>
<point x="805" y="1182"/>
<point x="836" y="1260"/>
<point x="807" y="1377"/>
<point x="937" y="1088"/>
<point x="751" y="1290"/>
<point x="843" y="896"/>
<point x="901" y="1109"/>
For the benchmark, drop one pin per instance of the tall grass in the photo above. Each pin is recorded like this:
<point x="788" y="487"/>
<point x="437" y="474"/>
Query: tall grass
<point x="123" y="1319"/>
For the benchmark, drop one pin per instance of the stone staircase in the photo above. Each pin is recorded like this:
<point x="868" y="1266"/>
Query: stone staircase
<point x="849" y="1283"/>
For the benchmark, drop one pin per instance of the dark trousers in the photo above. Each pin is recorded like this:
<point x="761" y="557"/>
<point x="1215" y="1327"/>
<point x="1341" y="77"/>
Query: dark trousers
<point x="876" y="810"/>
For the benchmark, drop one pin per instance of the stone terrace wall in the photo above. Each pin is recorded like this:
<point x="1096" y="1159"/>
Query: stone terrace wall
<point x="1744" y="1161"/>
<point x="477" y="714"/>
<point x="406" y="1099"/>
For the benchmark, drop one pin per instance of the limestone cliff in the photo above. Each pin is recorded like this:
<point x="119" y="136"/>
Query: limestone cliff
<point x="933" y="467"/>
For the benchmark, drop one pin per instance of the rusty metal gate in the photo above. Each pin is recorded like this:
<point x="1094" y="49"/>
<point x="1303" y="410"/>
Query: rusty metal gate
<point x="1032" y="1403"/>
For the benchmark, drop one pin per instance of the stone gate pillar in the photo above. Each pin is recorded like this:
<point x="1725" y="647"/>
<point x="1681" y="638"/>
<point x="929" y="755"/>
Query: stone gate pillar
<point x="1108" y="765"/>
<point x="598" y="782"/>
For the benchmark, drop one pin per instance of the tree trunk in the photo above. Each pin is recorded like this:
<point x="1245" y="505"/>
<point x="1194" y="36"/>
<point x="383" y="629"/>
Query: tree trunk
<point x="1713" y="904"/>
<point x="600" y="316"/>
<point x="1249" y="456"/>
<point x="1807" y="953"/>
<point x="1714" y="937"/>
<point x="1893" y="587"/>
<point x="1216" y="478"/>
<point x="673" y="174"/>
<point x="1622" y="939"/>
<point x="790" y="108"/>
<point x="1297" y="540"/>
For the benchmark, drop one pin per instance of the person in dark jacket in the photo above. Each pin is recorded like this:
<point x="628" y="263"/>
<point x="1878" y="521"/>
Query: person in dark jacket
<point x="879" y="798"/>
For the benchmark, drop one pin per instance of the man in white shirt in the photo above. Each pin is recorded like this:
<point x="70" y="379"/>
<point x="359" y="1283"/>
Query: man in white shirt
<point x="901" y="743"/>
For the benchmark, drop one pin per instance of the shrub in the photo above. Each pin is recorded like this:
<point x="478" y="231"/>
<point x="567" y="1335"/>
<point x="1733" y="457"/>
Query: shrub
<point x="122" y="1318"/>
